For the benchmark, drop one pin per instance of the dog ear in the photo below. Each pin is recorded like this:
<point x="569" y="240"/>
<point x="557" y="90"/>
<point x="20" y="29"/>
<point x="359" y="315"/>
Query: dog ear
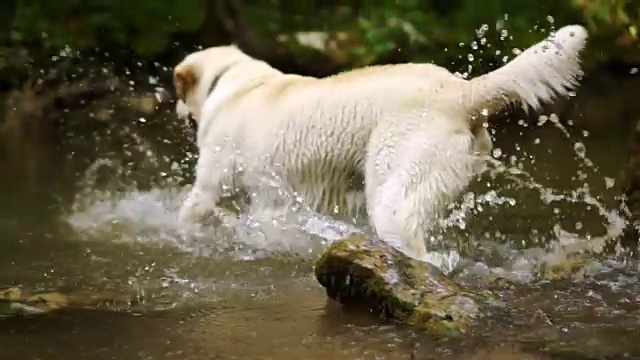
<point x="184" y="79"/>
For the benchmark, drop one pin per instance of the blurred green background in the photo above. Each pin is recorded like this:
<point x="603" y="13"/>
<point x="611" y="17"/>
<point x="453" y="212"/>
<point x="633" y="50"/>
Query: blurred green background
<point x="323" y="36"/>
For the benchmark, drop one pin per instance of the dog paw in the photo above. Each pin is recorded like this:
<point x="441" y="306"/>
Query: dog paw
<point x="197" y="213"/>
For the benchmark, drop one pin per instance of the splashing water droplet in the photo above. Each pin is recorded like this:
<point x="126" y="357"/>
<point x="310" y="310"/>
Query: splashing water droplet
<point x="609" y="182"/>
<point x="580" y="149"/>
<point x="482" y="30"/>
<point x="542" y="119"/>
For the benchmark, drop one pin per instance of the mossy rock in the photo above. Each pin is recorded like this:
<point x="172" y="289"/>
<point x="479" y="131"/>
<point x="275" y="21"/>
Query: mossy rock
<point x="363" y="273"/>
<point x="16" y="302"/>
<point x="572" y="266"/>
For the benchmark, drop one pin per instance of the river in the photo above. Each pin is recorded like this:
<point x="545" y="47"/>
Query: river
<point x="98" y="224"/>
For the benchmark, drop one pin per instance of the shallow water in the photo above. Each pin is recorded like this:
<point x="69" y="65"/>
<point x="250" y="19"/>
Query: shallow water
<point x="247" y="291"/>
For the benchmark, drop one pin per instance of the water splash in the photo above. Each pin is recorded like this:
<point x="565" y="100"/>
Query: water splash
<point x="565" y="249"/>
<point x="560" y="245"/>
<point x="124" y="212"/>
<point x="121" y="212"/>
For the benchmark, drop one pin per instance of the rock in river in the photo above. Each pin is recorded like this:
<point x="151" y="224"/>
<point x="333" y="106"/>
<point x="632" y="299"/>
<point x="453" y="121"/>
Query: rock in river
<point x="16" y="302"/>
<point x="364" y="273"/>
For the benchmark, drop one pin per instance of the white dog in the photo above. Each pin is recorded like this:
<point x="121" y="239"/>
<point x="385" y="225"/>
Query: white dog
<point x="413" y="131"/>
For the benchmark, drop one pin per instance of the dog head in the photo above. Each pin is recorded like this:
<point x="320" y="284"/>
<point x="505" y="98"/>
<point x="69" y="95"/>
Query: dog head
<point x="197" y="76"/>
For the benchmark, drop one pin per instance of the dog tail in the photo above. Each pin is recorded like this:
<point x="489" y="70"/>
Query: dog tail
<point x="547" y="69"/>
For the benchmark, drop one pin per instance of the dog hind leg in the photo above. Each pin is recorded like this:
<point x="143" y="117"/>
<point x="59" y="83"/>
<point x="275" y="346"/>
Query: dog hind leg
<point x="408" y="194"/>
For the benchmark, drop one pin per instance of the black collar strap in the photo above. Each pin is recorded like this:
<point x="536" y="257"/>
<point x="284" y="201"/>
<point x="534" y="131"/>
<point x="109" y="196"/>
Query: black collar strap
<point x="216" y="80"/>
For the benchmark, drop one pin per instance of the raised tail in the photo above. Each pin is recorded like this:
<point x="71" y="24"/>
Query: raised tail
<point x="547" y="69"/>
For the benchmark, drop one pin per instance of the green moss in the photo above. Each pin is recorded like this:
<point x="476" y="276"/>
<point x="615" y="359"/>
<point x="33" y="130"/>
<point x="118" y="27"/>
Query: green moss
<point x="351" y="274"/>
<point x="368" y="274"/>
<point x="15" y="302"/>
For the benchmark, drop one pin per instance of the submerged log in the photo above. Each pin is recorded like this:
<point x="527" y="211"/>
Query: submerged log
<point x="363" y="273"/>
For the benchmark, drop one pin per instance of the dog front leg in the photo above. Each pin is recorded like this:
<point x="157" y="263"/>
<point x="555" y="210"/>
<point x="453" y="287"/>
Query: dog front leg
<point x="213" y="171"/>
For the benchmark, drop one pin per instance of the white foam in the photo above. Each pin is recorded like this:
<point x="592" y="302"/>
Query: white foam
<point x="151" y="216"/>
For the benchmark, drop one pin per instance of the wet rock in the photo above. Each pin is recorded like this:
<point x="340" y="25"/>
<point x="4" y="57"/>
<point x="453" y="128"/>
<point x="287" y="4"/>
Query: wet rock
<point x="15" y="302"/>
<point x="363" y="273"/>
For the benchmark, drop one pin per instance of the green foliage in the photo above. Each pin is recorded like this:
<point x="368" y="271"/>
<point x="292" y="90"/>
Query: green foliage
<point x="488" y="29"/>
<point x="610" y="14"/>
<point x="434" y="30"/>
<point x="146" y="26"/>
